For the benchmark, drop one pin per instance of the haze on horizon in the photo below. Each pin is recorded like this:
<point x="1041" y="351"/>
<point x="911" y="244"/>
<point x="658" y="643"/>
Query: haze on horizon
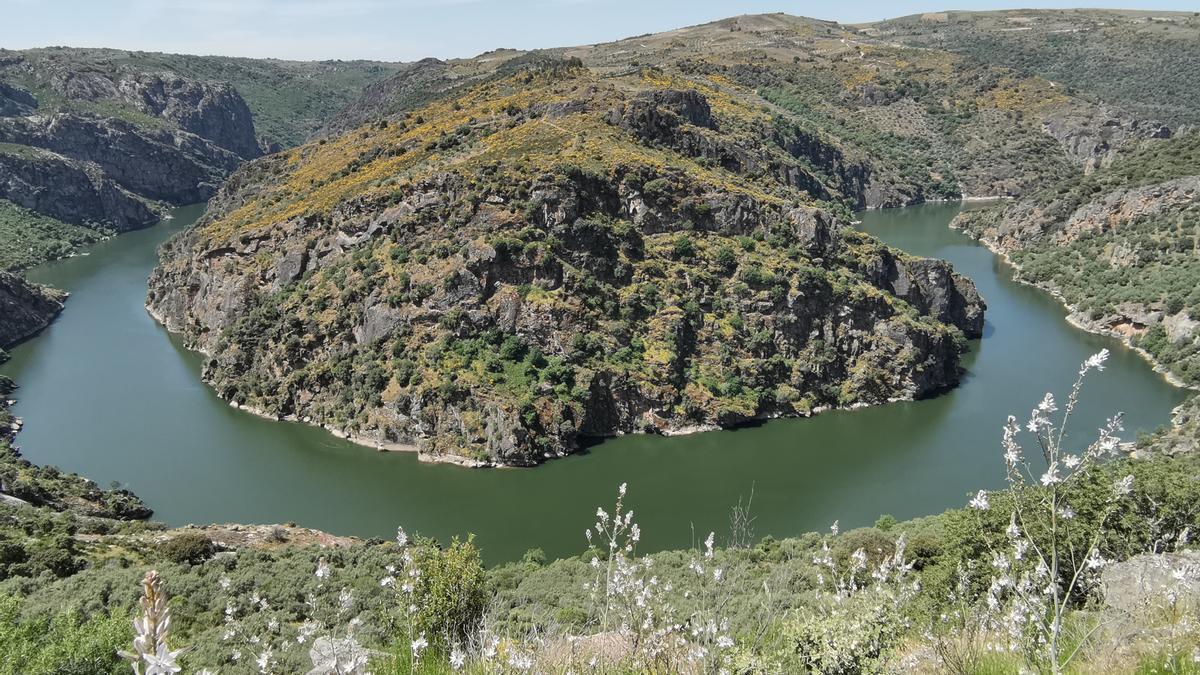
<point x="407" y="30"/>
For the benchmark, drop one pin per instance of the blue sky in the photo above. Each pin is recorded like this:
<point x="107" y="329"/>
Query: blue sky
<point x="407" y="29"/>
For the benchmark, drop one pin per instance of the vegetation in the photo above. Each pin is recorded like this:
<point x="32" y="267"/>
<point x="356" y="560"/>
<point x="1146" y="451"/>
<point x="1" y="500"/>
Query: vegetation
<point x="1129" y="273"/>
<point x="28" y="238"/>
<point x="1142" y="61"/>
<point x="924" y="592"/>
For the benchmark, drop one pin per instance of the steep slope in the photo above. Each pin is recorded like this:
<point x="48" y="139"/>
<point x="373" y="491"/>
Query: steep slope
<point x="27" y="308"/>
<point x="1120" y="245"/>
<point x="100" y="139"/>
<point x="102" y="147"/>
<point x="288" y="100"/>
<point x="551" y="256"/>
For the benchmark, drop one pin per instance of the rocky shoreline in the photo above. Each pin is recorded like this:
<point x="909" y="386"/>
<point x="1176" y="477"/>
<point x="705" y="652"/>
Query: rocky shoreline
<point x="1076" y="318"/>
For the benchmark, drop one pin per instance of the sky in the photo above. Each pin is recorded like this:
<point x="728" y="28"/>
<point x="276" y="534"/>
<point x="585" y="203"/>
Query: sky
<point x="407" y="30"/>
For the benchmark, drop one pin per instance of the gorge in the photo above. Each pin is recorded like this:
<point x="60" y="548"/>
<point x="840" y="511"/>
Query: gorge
<point x="145" y="420"/>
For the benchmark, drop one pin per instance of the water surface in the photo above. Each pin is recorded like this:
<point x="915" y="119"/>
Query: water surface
<point x="106" y="392"/>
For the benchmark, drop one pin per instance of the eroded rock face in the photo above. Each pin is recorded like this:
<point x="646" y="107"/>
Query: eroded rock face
<point x="71" y="191"/>
<point x="15" y="101"/>
<point x="210" y="110"/>
<point x="161" y="164"/>
<point x="813" y="341"/>
<point x="25" y="308"/>
<point x="932" y="287"/>
<point x="174" y="140"/>
<point x="1093" y="139"/>
<point x="1152" y="583"/>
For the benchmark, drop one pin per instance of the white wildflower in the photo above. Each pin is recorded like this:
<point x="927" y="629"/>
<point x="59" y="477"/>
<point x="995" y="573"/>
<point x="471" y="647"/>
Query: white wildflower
<point x="1123" y="486"/>
<point x="1051" y="476"/>
<point x="980" y="501"/>
<point x="1095" y="361"/>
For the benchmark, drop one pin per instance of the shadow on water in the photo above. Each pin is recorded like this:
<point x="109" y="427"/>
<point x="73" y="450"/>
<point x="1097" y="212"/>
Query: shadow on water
<point x="108" y="393"/>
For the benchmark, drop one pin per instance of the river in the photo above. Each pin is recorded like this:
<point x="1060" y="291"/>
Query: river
<point x="108" y="393"/>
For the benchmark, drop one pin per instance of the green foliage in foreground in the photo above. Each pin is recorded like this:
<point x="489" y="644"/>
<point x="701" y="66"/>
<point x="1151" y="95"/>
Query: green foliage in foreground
<point x="28" y="238"/>
<point x="66" y="644"/>
<point x="770" y="582"/>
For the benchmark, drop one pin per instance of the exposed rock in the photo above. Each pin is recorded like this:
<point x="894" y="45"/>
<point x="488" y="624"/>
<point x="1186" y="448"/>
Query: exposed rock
<point x="158" y="163"/>
<point x="933" y="288"/>
<point x="1093" y="138"/>
<point x="210" y="110"/>
<point x="71" y="191"/>
<point x="15" y="101"/>
<point x="213" y="111"/>
<point x="820" y="338"/>
<point x="1153" y="582"/>
<point x="25" y="308"/>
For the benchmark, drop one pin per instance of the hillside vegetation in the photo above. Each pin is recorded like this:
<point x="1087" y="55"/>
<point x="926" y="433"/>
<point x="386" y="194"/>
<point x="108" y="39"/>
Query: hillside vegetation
<point x="1121" y="245"/>
<point x="501" y="255"/>
<point x="935" y="594"/>
<point x="1143" y="61"/>
<point x="550" y="256"/>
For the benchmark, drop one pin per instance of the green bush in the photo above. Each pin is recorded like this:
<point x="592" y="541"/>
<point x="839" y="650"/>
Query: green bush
<point x="191" y="548"/>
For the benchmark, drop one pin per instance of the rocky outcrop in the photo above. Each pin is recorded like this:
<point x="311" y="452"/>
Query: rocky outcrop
<point x="932" y="287"/>
<point x="114" y="141"/>
<point x="158" y="163"/>
<point x="1035" y="220"/>
<point x="1093" y="138"/>
<point x="630" y="300"/>
<point x="1153" y="583"/>
<point x="25" y="308"/>
<point x="15" y="101"/>
<point x="210" y="110"/>
<point x="70" y="191"/>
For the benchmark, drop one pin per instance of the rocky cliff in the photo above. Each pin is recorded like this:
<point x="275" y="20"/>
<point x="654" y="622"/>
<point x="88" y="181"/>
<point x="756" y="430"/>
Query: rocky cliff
<point x="158" y="163"/>
<point x="25" y="308"/>
<point x="70" y="191"/>
<point x="549" y="257"/>
<point x="113" y="144"/>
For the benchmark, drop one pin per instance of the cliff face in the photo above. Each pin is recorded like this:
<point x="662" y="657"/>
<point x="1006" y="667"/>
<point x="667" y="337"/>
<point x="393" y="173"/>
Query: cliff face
<point x="25" y="308"/>
<point x="114" y="143"/>
<point x="157" y="163"/>
<point x="546" y="258"/>
<point x="70" y="191"/>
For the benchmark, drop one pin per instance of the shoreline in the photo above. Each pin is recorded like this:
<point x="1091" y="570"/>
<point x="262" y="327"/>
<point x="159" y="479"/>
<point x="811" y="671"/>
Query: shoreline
<point x="381" y="446"/>
<point x="1077" y="319"/>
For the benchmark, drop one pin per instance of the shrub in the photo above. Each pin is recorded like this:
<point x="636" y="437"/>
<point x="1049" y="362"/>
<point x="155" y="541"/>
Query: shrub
<point x="190" y="548"/>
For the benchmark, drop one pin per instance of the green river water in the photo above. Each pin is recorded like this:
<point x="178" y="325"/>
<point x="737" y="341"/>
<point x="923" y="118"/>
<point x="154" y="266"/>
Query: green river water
<point x="107" y="393"/>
